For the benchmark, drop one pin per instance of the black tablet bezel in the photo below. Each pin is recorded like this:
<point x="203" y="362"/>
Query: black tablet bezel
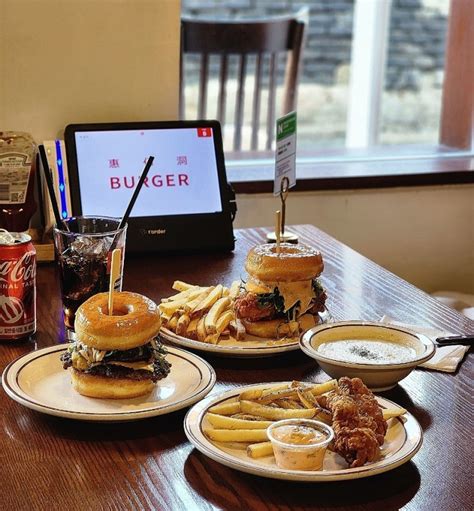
<point x="139" y="226"/>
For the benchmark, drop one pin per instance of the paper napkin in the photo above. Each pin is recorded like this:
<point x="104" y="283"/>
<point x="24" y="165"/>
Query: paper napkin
<point x="446" y="358"/>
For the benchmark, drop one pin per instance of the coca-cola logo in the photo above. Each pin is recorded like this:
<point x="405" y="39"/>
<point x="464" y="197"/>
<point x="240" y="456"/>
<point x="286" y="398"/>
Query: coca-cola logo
<point x="11" y="309"/>
<point x="16" y="271"/>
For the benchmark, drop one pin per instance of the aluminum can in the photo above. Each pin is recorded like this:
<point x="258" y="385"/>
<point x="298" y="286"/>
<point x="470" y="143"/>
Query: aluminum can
<point x="17" y="286"/>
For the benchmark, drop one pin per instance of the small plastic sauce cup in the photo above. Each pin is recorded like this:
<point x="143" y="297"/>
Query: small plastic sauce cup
<point x="300" y="444"/>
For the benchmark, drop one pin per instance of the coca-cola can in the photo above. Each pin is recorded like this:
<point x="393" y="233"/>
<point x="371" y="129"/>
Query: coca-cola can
<point x="17" y="286"/>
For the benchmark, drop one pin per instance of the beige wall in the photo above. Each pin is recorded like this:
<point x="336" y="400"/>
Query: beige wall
<point x="64" y="61"/>
<point x="425" y="235"/>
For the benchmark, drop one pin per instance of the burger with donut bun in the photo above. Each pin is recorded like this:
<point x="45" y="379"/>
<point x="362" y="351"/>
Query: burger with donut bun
<point x="116" y="356"/>
<point x="282" y="296"/>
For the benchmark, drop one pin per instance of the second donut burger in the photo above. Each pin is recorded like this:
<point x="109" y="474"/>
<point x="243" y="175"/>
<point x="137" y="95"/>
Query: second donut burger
<point x="116" y="356"/>
<point x="282" y="295"/>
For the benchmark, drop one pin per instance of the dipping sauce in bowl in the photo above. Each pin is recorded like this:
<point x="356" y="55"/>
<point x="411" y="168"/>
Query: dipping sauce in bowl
<point x="367" y="351"/>
<point x="300" y="444"/>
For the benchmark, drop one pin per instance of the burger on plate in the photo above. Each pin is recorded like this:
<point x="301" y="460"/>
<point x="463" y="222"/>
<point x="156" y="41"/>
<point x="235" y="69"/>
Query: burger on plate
<point x="118" y="355"/>
<point x="282" y="295"/>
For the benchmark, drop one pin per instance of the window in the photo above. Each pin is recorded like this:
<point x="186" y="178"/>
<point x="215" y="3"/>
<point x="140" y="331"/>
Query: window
<point x="372" y="74"/>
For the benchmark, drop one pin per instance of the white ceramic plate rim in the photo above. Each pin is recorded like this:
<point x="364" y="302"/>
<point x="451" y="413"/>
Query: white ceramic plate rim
<point x="15" y="392"/>
<point x="307" y="347"/>
<point x="238" y="351"/>
<point x="265" y="350"/>
<point x="193" y="430"/>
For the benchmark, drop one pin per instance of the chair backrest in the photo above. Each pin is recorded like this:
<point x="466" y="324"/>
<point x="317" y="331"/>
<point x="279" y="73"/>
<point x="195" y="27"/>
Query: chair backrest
<point x="266" y="39"/>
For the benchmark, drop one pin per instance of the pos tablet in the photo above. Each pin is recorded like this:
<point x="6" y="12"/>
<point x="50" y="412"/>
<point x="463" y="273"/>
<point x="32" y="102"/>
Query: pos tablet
<point x="185" y="202"/>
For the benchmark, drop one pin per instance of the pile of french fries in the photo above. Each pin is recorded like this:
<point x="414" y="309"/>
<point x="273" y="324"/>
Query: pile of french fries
<point x="245" y="419"/>
<point x="202" y="313"/>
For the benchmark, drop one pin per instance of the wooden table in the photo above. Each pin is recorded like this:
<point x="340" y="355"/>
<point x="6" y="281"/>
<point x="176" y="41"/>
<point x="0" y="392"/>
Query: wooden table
<point x="53" y="463"/>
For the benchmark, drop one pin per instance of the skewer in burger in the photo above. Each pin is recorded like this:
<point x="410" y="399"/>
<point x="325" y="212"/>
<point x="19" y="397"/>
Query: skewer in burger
<point x="116" y="356"/>
<point x="282" y="296"/>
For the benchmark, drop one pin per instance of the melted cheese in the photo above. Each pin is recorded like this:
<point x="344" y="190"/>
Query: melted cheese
<point x="293" y="292"/>
<point x="134" y="365"/>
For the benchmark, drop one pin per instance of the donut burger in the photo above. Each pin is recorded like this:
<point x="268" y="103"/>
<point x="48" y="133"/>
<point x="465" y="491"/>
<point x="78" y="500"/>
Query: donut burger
<point x="116" y="356"/>
<point x="282" y="295"/>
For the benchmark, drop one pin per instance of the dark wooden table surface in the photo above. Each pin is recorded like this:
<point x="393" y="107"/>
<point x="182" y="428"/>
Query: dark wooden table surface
<point x="53" y="463"/>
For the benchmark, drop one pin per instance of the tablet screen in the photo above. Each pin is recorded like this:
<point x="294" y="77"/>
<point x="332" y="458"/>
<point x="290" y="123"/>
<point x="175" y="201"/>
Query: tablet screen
<point x="182" y="180"/>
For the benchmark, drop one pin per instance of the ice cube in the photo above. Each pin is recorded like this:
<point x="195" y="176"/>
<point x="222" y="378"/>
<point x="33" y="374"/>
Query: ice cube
<point x="88" y="246"/>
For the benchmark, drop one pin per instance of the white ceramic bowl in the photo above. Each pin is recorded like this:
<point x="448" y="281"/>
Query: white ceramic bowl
<point x="377" y="376"/>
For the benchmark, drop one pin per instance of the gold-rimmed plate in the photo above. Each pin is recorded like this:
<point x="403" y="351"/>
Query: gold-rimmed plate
<point x="402" y="441"/>
<point x="38" y="381"/>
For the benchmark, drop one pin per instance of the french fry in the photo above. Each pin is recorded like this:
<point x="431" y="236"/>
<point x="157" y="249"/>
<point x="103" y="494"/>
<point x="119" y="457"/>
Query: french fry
<point x="322" y="388"/>
<point x="307" y="398"/>
<point x="223" y="422"/>
<point x="171" y="325"/>
<point x="183" y="294"/>
<point x="234" y="289"/>
<point x="210" y="299"/>
<point x="224" y="320"/>
<point x="289" y="404"/>
<point x="390" y="413"/>
<point x="250" y="394"/>
<point x="179" y="285"/>
<point x="192" y="304"/>
<point x="228" y="408"/>
<point x="260" y="450"/>
<point x="236" y="435"/>
<point x="191" y="330"/>
<point x="170" y="308"/>
<point x="201" y="329"/>
<point x="276" y="413"/>
<point x="182" y="324"/>
<point x="215" y="311"/>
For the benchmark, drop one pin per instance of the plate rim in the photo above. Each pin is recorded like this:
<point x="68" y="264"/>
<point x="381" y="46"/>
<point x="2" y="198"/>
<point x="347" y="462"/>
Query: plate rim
<point x="237" y="351"/>
<point x="14" y="391"/>
<point x="308" y="476"/>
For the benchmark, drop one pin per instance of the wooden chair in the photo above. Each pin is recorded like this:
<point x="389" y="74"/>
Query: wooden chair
<point x="266" y="39"/>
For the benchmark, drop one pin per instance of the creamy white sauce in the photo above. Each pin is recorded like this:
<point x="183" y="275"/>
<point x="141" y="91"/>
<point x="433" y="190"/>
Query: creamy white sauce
<point x="367" y="351"/>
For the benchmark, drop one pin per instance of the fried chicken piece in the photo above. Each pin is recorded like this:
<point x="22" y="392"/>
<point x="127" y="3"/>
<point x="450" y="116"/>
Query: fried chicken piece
<point x="357" y="420"/>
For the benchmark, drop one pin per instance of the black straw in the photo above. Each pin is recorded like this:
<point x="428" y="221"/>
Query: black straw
<point x="148" y="165"/>
<point x="47" y="174"/>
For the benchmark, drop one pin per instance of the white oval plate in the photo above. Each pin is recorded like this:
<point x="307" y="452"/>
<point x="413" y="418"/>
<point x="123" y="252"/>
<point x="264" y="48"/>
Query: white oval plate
<point x="403" y="440"/>
<point x="252" y="346"/>
<point x="38" y="381"/>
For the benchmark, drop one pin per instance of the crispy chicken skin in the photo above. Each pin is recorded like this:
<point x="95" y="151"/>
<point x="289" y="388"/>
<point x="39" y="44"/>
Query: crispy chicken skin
<point x="357" y="420"/>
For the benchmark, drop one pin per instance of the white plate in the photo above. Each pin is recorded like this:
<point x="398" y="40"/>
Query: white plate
<point x="252" y="346"/>
<point x="38" y="381"/>
<point x="403" y="440"/>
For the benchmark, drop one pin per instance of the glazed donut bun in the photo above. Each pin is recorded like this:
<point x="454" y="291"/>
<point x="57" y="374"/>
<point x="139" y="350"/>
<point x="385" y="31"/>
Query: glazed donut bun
<point x="102" y="387"/>
<point x="293" y="263"/>
<point x="135" y="320"/>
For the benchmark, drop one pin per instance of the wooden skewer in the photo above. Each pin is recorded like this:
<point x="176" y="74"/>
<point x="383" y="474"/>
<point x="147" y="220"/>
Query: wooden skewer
<point x="278" y="230"/>
<point x="114" y="275"/>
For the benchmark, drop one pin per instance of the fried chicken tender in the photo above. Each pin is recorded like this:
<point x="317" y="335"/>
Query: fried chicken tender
<point x="357" y="420"/>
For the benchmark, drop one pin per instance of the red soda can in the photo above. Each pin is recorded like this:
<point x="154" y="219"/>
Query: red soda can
<point x="17" y="286"/>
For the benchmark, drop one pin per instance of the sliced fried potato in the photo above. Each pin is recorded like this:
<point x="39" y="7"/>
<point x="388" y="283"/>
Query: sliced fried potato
<point x="191" y="305"/>
<point x="215" y="311"/>
<point x="210" y="299"/>
<point x="201" y="329"/>
<point x="182" y="324"/>
<point x="390" y="413"/>
<point x="228" y="408"/>
<point x="234" y="289"/>
<point x="191" y="330"/>
<point x="276" y="413"/>
<point x="223" y="422"/>
<point x="260" y="450"/>
<point x="183" y="294"/>
<point x="179" y="285"/>
<point x="322" y="388"/>
<point x="171" y="325"/>
<point x="236" y="435"/>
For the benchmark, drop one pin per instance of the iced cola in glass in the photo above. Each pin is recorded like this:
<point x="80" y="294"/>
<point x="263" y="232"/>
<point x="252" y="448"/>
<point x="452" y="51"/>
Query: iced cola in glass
<point x="83" y="255"/>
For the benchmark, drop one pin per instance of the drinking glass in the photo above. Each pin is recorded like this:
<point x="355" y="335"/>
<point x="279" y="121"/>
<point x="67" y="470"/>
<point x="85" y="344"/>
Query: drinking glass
<point x="83" y="254"/>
